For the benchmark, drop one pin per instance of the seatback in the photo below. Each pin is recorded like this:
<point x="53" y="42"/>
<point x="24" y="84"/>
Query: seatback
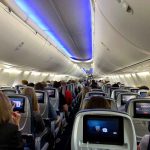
<point x="139" y="110"/>
<point x="143" y="93"/>
<point x="96" y="90"/>
<point x="111" y="89"/>
<point x="5" y="86"/>
<point x="116" y="92"/>
<point x="134" y="90"/>
<point x="22" y="105"/>
<point x="95" y="93"/>
<point x="43" y="102"/>
<point x="53" y="95"/>
<point x="103" y="130"/>
<point x="8" y="91"/>
<point x="112" y="103"/>
<point x="123" y="98"/>
<point x="19" y="88"/>
<point x="106" y="87"/>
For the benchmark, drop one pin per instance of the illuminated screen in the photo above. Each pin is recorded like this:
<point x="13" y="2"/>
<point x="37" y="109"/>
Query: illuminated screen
<point x="40" y="97"/>
<point x="18" y="103"/>
<point x="143" y="94"/>
<point x="126" y="98"/>
<point x="142" y="109"/>
<point x="97" y="94"/>
<point x="51" y="92"/>
<point x="103" y="130"/>
<point x="134" y="90"/>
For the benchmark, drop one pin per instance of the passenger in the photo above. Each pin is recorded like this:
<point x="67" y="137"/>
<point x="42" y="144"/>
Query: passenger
<point x="62" y="102"/>
<point x="24" y="82"/>
<point x="145" y="142"/>
<point x="82" y="94"/>
<point x="94" y="84"/>
<point x="31" y="84"/>
<point x="143" y="87"/>
<point x="39" y="86"/>
<point x="115" y="85"/>
<point x="10" y="136"/>
<point x="38" y="121"/>
<point x="97" y="102"/>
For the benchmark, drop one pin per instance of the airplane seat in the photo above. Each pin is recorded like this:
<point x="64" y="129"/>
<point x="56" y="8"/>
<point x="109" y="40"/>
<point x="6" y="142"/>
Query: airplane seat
<point x="116" y="92"/>
<point x="143" y="93"/>
<point x="8" y="91"/>
<point x="95" y="93"/>
<point x="53" y="95"/>
<point x="97" y="90"/>
<point x="123" y="98"/>
<point x="103" y="130"/>
<point x="106" y="87"/>
<point x="99" y="98"/>
<point x="46" y="111"/>
<point x="139" y="111"/>
<point x="111" y="89"/>
<point x="134" y="90"/>
<point x="30" y="138"/>
<point x="19" y="88"/>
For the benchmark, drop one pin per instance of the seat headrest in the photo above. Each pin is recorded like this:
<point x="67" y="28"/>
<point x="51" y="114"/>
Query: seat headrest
<point x="139" y="108"/>
<point x="103" y="129"/>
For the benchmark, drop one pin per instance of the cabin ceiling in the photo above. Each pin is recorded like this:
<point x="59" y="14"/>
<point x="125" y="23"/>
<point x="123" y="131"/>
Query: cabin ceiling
<point x="120" y="39"/>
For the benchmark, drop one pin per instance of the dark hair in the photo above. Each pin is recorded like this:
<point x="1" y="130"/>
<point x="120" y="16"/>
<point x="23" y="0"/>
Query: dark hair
<point x="97" y="102"/>
<point x="24" y="82"/>
<point x="143" y="87"/>
<point x="56" y="84"/>
<point x="31" y="84"/>
<point x="39" y="86"/>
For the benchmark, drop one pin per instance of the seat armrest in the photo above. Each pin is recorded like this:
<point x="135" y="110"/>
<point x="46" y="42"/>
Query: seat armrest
<point x="28" y="140"/>
<point x="41" y="140"/>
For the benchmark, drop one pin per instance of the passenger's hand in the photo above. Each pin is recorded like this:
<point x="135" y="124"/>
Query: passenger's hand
<point x="16" y="118"/>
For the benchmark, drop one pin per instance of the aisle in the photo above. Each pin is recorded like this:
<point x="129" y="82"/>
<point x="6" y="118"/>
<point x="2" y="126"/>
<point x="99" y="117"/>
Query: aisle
<point x="65" y="139"/>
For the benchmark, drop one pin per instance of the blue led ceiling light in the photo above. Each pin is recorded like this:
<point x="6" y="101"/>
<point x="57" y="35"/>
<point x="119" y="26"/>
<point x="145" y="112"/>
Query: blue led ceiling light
<point x="28" y="6"/>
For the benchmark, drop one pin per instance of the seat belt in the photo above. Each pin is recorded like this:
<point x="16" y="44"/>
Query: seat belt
<point x="148" y="147"/>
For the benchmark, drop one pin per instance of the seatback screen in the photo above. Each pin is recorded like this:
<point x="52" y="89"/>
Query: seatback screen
<point x="126" y="98"/>
<point x="143" y="94"/>
<point x="18" y="103"/>
<point x="96" y="94"/>
<point x="103" y="130"/>
<point x="134" y="90"/>
<point x="51" y="93"/>
<point x="142" y="109"/>
<point x="40" y="97"/>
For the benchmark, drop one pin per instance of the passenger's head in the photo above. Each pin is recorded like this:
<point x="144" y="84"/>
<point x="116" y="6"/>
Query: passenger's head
<point x="84" y="91"/>
<point x="39" y="86"/>
<point x="143" y="87"/>
<point x="29" y="92"/>
<point x="31" y="84"/>
<point x="24" y="82"/>
<point x="5" y="109"/>
<point x="97" y="102"/>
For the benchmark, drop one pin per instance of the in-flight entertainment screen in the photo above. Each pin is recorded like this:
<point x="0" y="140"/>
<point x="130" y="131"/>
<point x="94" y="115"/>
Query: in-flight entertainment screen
<point x="103" y="130"/>
<point x="142" y="109"/>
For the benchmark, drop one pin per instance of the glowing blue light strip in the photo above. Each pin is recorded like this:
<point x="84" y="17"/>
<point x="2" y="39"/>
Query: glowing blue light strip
<point x="25" y="5"/>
